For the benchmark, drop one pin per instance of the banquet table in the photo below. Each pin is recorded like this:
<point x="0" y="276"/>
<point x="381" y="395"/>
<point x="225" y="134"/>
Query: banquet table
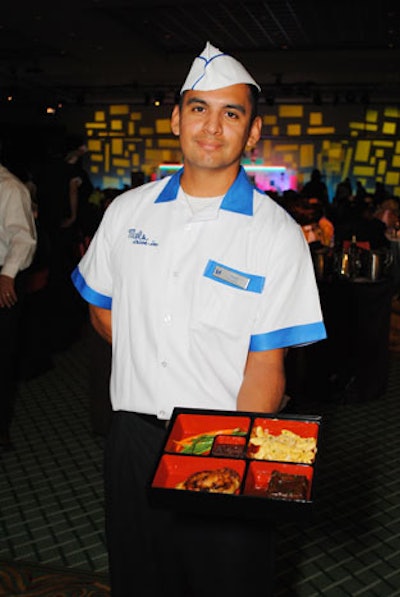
<point x="357" y="319"/>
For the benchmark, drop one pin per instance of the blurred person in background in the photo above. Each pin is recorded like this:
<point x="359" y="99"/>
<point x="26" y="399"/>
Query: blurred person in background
<point x="18" y="239"/>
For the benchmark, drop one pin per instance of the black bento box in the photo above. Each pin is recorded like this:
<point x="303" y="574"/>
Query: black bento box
<point x="260" y="452"/>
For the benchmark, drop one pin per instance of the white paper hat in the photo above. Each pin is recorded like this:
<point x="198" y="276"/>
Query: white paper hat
<point x="213" y="70"/>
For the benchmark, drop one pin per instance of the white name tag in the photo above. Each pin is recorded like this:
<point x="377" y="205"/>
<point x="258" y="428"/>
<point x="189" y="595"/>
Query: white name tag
<point x="231" y="277"/>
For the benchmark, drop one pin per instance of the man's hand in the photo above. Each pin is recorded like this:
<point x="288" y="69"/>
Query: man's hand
<point x="8" y="296"/>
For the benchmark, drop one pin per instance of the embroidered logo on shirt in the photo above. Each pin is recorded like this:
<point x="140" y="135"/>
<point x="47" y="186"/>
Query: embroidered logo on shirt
<point x="138" y="237"/>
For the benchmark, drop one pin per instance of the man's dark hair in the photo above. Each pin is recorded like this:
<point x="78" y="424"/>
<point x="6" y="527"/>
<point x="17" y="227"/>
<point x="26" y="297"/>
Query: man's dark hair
<point x="254" y="96"/>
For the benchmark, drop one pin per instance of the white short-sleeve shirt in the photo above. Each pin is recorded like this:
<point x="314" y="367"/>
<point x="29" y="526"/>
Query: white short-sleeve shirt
<point x="192" y="293"/>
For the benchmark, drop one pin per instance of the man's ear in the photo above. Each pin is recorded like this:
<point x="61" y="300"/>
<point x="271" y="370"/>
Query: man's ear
<point x="175" y="120"/>
<point x="255" y="132"/>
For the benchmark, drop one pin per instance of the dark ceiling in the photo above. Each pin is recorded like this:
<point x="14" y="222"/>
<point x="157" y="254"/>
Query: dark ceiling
<point x="111" y="50"/>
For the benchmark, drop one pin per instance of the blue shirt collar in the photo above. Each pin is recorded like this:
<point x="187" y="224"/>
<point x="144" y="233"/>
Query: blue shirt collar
<point x="239" y="197"/>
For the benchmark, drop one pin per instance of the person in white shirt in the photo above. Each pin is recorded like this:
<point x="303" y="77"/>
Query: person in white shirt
<point x="18" y="241"/>
<point x="201" y="283"/>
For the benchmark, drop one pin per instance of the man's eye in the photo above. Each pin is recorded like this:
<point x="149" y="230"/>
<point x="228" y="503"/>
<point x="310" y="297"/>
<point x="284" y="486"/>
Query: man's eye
<point x="198" y="108"/>
<point x="232" y="115"/>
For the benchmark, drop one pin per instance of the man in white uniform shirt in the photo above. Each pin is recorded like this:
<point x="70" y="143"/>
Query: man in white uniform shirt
<point x="18" y="240"/>
<point x="201" y="283"/>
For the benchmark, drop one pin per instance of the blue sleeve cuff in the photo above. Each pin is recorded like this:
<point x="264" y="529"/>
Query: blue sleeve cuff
<point x="90" y="295"/>
<point x="294" y="336"/>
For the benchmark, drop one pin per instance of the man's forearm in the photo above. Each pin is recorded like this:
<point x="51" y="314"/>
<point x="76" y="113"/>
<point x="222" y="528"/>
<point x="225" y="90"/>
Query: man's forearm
<point x="101" y="321"/>
<point x="263" y="383"/>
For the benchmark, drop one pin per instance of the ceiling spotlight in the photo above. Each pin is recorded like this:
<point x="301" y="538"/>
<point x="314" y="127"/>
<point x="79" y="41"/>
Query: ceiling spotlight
<point x="158" y="99"/>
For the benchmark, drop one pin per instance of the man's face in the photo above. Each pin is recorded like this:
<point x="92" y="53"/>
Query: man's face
<point x="214" y="127"/>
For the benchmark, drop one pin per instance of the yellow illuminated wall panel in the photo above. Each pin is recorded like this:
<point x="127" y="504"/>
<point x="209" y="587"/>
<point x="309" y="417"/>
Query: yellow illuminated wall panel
<point x="119" y="110"/>
<point x="144" y="131"/>
<point x="170" y="143"/>
<point x="100" y="116"/>
<point x="97" y="157"/>
<point x="135" y="116"/>
<point x="131" y="128"/>
<point x="391" y="112"/>
<point x="382" y="167"/>
<point x="110" y="181"/>
<point x="335" y="153"/>
<point x="267" y="150"/>
<point x="347" y="161"/>
<point x="383" y="143"/>
<point x="119" y="163"/>
<point x="396" y="161"/>
<point x="392" y="178"/>
<point x="293" y="129"/>
<point x="107" y="158"/>
<point x="371" y="116"/>
<point x="116" y="125"/>
<point x="286" y="147"/>
<point x="135" y="159"/>
<point x="321" y="130"/>
<point x="307" y="156"/>
<point x="315" y="119"/>
<point x="360" y="126"/>
<point x="94" y="145"/>
<point x="95" y="125"/>
<point x="379" y="153"/>
<point x="270" y="119"/>
<point x="163" y="125"/>
<point x="389" y="128"/>
<point x="363" y="149"/>
<point x="149" y="142"/>
<point x="275" y="131"/>
<point x="289" y="111"/>
<point x="397" y="148"/>
<point x="363" y="171"/>
<point x="117" y="146"/>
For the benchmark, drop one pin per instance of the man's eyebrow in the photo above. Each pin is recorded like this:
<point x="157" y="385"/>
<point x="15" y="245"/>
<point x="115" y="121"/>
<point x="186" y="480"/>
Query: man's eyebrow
<point x="197" y="100"/>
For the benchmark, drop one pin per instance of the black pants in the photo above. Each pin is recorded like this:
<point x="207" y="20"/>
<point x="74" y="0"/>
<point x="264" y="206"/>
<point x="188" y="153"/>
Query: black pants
<point x="10" y="319"/>
<point x="170" y="552"/>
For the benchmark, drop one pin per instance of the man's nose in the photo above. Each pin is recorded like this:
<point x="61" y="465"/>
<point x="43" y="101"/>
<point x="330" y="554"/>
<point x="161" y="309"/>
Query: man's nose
<point x="213" y="124"/>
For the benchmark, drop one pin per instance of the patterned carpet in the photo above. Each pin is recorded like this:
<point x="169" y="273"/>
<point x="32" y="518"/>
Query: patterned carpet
<point x="51" y="495"/>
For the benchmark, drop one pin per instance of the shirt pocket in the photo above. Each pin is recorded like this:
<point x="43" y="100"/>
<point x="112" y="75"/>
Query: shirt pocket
<point x="227" y="298"/>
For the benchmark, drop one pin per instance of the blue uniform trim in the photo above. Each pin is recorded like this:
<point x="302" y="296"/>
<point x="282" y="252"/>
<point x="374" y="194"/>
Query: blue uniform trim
<point x="294" y="336"/>
<point x="238" y="199"/>
<point x="254" y="284"/>
<point x="90" y="295"/>
<point x="206" y="63"/>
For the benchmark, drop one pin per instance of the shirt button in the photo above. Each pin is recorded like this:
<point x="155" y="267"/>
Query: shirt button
<point x="164" y="364"/>
<point x="167" y="318"/>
